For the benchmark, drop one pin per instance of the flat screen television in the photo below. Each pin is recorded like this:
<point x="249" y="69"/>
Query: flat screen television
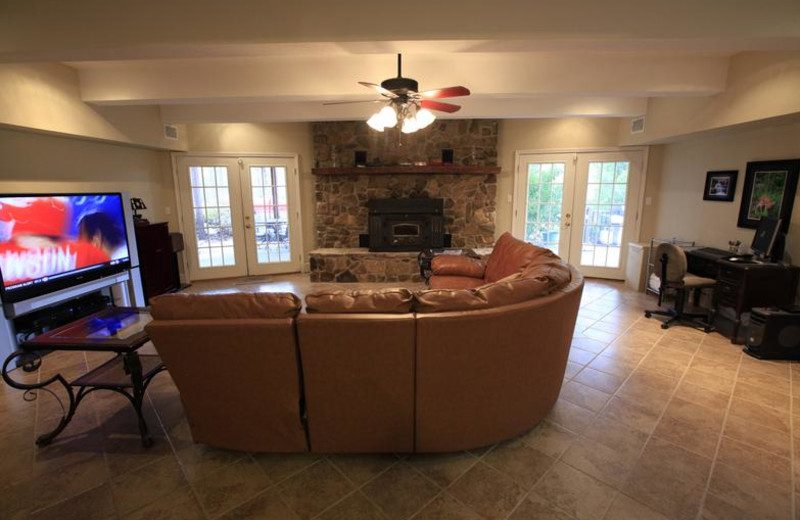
<point x="50" y="242"/>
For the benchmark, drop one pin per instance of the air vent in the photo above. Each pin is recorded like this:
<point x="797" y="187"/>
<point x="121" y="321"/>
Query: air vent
<point x="171" y="132"/>
<point x="637" y="125"/>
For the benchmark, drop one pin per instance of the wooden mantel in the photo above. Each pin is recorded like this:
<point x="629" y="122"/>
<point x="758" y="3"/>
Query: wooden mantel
<point x="409" y="170"/>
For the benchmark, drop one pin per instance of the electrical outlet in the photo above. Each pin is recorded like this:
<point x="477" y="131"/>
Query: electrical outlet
<point x="510" y="199"/>
<point x="648" y="201"/>
<point x="167" y="210"/>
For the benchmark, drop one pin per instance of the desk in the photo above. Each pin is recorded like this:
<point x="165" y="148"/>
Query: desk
<point x="115" y="329"/>
<point x="743" y="285"/>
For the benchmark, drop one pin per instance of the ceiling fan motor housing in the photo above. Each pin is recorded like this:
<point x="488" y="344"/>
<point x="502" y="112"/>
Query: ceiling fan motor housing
<point x="400" y="85"/>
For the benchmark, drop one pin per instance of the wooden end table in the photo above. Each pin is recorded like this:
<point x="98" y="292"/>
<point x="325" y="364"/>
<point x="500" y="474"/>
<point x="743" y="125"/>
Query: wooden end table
<point x="115" y="329"/>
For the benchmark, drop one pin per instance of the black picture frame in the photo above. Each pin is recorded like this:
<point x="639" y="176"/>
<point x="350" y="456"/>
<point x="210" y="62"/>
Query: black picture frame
<point x="769" y="191"/>
<point x="720" y="185"/>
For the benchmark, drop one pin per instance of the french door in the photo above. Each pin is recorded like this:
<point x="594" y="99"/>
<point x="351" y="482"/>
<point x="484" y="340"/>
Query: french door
<point x="241" y="215"/>
<point x="583" y="206"/>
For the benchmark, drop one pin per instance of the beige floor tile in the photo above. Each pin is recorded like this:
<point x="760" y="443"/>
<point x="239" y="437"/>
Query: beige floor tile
<point x="770" y="368"/>
<point x="525" y="465"/>
<point x="763" y="396"/>
<point x="581" y="357"/>
<point x="230" y="486"/>
<point x="598" y="380"/>
<point x="201" y="460"/>
<point x="601" y="462"/>
<point x="314" y="489"/>
<point x="737" y="494"/>
<point x="575" y="492"/>
<point x="690" y="436"/>
<point x="584" y="396"/>
<point x="702" y="396"/>
<point x="572" y="369"/>
<point x="279" y="466"/>
<point x="631" y="414"/>
<point x="445" y="507"/>
<point x="774" y="441"/>
<point x="401" y="491"/>
<point x="616" y="435"/>
<point x="146" y="484"/>
<point x="354" y="506"/>
<point x="489" y="492"/>
<point x="589" y="345"/>
<point x="570" y="416"/>
<point x="549" y="438"/>
<point x="179" y="504"/>
<point x="443" y="468"/>
<point x="266" y="506"/>
<point x="536" y="507"/>
<point x="689" y="412"/>
<point x="360" y="468"/>
<point x="709" y="381"/>
<point x="600" y="335"/>
<point x="625" y="508"/>
<point x="613" y="366"/>
<point x="753" y="377"/>
<point x="762" y="415"/>
<point x="95" y="504"/>
<point x="669" y="479"/>
<point x="721" y="368"/>
<point x="756" y="461"/>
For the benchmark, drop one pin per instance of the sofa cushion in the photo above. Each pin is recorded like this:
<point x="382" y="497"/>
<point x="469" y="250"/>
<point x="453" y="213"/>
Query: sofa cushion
<point x="457" y="265"/>
<point x="181" y="306"/>
<point x="396" y="300"/>
<point x="510" y="255"/>
<point x="454" y="282"/>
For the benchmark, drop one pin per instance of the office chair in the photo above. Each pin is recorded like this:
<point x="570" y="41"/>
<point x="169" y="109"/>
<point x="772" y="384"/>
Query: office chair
<point x="673" y="275"/>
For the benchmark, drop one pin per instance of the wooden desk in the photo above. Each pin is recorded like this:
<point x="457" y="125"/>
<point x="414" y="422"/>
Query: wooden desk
<point x="743" y="285"/>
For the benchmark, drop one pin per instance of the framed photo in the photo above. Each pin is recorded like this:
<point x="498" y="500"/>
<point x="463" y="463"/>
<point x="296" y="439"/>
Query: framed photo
<point x="720" y="185"/>
<point x="769" y="189"/>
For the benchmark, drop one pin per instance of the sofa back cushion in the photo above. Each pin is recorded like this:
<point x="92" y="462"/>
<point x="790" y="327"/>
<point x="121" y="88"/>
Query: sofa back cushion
<point x="537" y="280"/>
<point x="182" y="306"/>
<point x="509" y="256"/>
<point x="395" y="300"/>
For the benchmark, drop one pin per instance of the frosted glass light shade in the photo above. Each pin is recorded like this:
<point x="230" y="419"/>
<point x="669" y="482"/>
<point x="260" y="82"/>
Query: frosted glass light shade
<point x="424" y="117"/>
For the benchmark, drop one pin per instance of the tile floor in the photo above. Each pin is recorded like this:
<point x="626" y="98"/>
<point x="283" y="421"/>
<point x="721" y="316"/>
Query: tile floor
<point x="650" y="425"/>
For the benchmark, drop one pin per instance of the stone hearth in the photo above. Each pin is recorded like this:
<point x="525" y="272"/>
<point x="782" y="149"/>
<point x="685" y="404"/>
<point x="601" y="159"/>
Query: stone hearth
<point x="348" y="265"/>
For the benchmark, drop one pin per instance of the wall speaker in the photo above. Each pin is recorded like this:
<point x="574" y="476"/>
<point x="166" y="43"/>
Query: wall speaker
<point x="774" y="333"/>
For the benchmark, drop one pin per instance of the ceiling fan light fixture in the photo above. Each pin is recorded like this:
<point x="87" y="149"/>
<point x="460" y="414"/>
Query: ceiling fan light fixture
<point x="376" y="122"/>
<point x="425" y="117"/>
<point x="388" y="117"/>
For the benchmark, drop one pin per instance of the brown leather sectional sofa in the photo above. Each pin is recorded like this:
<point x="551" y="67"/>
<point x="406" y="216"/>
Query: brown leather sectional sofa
<point x="375" y="371"/>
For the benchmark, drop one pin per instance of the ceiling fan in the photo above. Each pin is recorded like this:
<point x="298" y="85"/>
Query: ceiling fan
<point x="405" y="104"/>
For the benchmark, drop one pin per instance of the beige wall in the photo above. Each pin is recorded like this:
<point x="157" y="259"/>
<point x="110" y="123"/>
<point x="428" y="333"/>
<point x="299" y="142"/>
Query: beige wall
<point x="681" y="210"/>
<point x="31" y="162"/>
<point x="46" y="97"/>
<point x="265" y="138"/>
<point x="543" y="135"/>
<point x="760" y="85"/>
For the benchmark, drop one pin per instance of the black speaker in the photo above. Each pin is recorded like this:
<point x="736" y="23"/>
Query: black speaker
<point x="774" y="333"/>
<point x="361" y="157"/>
<point x="363" y="240"/>
<point x="447" y="156"/>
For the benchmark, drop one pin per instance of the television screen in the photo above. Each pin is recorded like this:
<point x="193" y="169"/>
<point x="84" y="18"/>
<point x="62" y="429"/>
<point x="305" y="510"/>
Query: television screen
<point x="52" y="241"/>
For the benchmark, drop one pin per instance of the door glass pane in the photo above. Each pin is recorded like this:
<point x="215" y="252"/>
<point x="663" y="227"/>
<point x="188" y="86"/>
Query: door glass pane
<point x="212" y="216"/>
<point x="271" y="219"/>
<point x="543" y="205"/>
<point x="604" y="219"/>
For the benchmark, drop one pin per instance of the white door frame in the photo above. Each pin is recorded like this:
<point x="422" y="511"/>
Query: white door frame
<point x="518" y="202"/>
<point x="295" y="197"/>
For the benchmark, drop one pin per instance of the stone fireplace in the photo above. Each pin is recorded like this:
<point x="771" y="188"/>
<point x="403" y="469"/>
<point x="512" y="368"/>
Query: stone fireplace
<point x="400" y="175"/>
<point x="405" y="224"/>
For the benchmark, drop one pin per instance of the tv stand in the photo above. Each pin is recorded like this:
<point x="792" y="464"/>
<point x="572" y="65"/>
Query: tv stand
<point x="123" y="289"/>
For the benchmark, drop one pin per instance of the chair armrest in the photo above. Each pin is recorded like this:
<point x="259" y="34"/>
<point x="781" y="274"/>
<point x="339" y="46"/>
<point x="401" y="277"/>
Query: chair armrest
<point x="457" y="265"/>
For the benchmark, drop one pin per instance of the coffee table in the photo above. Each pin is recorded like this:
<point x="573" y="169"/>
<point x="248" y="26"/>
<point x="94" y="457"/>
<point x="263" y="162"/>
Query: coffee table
<point x="115" y="329"/>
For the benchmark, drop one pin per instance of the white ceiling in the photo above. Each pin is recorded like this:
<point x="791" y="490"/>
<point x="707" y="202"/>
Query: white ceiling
<point x="248" y="61"/>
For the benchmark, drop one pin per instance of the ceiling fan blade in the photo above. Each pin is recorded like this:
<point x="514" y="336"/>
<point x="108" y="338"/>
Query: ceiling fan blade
<point x="446" y="92"/>
<point x="379" y="89"/>
<point x="441" y="107"/>
<point x="350" y="102"/>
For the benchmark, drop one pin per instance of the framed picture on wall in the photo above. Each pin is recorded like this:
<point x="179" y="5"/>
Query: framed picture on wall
<point x="769" y="190"/>
<point x="720" y="185"/>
